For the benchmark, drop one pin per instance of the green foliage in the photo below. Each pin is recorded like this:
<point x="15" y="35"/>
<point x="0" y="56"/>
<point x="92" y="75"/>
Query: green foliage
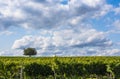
<point x="3" y="71"/>
<point x="8" y="70"/>
<point x="60" y="67"/>
<point x="30" y="51"/>
<point x="32" y="69"/>
<point x="71" y="69"/>
<point x="35" y="69"/>
<point x="116" y="70"/>
<point x="96" y="68"/>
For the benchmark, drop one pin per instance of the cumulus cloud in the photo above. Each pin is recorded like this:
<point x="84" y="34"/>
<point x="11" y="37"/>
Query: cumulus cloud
<point x="109" y="52"/>
<point x="62" y="41"/>
<point x="103" y="11"/>
<point x="47" y="13"/>
<point x="63" y="26"/>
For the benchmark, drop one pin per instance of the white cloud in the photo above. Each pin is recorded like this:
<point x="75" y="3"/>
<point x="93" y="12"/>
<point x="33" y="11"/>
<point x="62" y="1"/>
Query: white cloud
<point x="69" y="52"/>
<point x="103" y="11"/>
<point x="90" y="3"/>
<point x="116" y="24"/>
<point x="6" y="33"/>
<point x="48" y="13"/>
<point x="63" y="41"/>
<point x="69" y="34"/>
<point x="11" y="52"/>
<point x="109" y="52"/>
<point x="117" y="10"/>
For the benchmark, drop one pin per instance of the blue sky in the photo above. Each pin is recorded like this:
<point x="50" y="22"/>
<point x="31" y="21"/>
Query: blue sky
<point x="64" y="27"/>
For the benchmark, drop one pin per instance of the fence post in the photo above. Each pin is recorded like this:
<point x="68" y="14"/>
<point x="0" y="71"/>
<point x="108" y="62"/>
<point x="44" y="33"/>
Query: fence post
<point x="21" y="72"/>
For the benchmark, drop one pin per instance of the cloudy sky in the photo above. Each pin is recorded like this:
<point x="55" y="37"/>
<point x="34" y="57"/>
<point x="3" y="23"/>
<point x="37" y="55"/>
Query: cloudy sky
<point x="61" y="27"/>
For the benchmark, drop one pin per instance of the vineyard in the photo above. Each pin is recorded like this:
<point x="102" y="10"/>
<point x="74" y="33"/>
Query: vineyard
<point x="59" y="67"/>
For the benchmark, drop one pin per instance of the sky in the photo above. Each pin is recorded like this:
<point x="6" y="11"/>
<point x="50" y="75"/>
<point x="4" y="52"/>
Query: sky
<point x="61" y="27"/>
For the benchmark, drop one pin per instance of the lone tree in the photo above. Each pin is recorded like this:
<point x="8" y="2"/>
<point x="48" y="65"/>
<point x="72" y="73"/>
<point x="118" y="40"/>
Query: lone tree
<point x="30" y="51"/>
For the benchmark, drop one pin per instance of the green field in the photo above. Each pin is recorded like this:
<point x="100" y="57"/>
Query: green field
<point x="60" y="67"/>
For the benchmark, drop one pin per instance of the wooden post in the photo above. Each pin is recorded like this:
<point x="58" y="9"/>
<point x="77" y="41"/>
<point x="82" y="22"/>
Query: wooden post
<point x="21" y="72"/>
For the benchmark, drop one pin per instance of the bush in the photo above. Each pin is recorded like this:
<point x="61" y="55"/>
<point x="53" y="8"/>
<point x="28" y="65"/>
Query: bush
<point x="116" y="70"/>
<point x="32" y="69"/>
<point x="36" y="70"/>
<point x="96" y="68"/>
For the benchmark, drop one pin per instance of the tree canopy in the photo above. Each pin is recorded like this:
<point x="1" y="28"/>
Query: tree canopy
<point x="30" y="51"/>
